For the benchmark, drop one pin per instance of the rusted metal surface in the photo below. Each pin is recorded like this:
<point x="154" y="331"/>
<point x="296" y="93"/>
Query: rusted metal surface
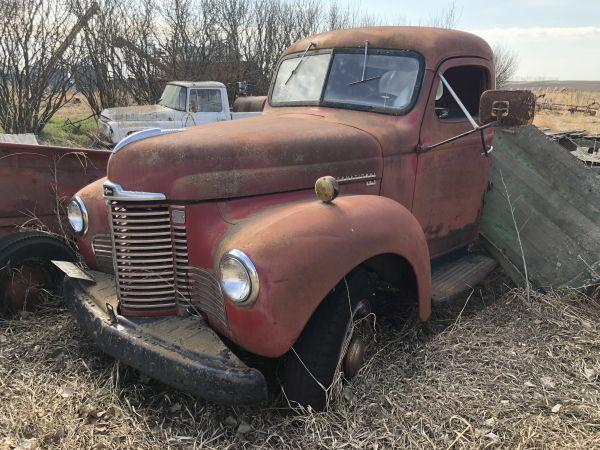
<point x="249" y="185"/>
<point x="434" y="44"/>
<point x="451" y="180"/>
<point x="182" y="352"/>
<point x="511" y="108"/>
<point x="302" y="249"/>
<point x="249" y="104"/>
<point x="245" y="158"/>
<point x="36" y="179"/>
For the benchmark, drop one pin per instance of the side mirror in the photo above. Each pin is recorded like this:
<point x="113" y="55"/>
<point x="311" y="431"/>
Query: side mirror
<point x="508" y="108"/>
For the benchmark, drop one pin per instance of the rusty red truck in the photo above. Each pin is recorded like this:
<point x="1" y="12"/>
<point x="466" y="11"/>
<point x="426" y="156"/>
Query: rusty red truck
<point x="203" y="242"/>
<point x="35" y="182"/>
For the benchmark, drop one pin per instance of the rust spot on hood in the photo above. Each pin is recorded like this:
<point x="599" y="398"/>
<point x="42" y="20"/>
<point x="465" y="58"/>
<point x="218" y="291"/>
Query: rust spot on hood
<point x="247" y="157"/>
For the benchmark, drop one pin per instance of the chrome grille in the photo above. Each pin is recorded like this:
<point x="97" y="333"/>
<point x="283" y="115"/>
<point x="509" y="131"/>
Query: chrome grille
<point x="206" y="293"/>
<point x="143" y="255"/>
<point x="151" y="261"/>
<point x="180" y="259"/>
<point x="102" y="247"/>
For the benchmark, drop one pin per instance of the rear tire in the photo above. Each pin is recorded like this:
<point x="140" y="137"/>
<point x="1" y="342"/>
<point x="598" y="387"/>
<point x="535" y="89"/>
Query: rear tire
<point x="312" y="362"/>
<point x="26" y="273"/>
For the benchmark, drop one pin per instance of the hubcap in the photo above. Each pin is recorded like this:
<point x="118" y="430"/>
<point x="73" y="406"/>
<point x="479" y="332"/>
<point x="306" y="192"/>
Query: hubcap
<point x="358" y="336"/>
<point x="355" y="356"/>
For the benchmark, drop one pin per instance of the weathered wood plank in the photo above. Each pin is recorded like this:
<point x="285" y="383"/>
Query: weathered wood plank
<point x="557" y="209"/>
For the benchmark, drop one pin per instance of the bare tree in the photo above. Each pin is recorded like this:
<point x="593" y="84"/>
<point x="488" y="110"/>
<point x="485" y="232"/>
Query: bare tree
<point x="144" y="70"/>
<point x="98" y="75"/>
<point x="506" y="63"/>
<point x="34" y="76"/>
<point x="445" y="18"/>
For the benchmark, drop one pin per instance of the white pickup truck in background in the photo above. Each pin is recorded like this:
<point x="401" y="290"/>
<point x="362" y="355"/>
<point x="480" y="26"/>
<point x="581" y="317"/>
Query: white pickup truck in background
<point x="182" y="104"/>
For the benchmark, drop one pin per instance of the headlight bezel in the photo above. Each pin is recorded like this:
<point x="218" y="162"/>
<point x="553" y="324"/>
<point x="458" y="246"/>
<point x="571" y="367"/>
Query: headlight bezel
<point x="248" y="266"/>
<point x="76" y="200"/>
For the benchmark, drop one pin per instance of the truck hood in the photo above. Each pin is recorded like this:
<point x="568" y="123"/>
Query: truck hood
<point x="262" y="155"/>
<point x="138" y="113"/>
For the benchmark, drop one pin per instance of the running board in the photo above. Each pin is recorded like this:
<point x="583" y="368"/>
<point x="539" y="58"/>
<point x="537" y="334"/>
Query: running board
<point x="454" y="277"/>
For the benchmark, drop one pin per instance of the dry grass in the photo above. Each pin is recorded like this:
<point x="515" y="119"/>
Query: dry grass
<point x="493" y="370"/>
<point x="563" y="120"/>
<point x="76" y="109"/>
<point x="72" y="126"/>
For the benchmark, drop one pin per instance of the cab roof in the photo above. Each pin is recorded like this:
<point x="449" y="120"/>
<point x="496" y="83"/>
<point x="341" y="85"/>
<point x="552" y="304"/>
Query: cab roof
<point x="198" y="84"/>
<point x="435" y="44"/>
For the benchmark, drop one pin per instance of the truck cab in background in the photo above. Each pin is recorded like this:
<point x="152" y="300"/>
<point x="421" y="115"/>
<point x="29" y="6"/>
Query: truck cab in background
<point x="182" y="104"/>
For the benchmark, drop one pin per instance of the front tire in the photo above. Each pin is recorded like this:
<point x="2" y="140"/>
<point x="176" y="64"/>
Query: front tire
<point x="26" y="273"/>
<point x="314" y="359"/>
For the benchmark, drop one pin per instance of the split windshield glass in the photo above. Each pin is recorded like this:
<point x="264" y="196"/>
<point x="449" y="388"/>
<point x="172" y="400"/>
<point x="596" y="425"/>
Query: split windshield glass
<point x="380" y="82"/>
<point x="174" y="97"/>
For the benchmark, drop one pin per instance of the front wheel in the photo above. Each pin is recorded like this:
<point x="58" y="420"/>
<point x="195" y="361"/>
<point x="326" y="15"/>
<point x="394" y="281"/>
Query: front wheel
<point x="333" y="340"/>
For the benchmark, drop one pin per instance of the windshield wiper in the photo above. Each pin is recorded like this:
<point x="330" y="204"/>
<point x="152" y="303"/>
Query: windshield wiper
<point x="364" y="69"/>
<point x="365" y="80"/>
<point x="299" y="62"/>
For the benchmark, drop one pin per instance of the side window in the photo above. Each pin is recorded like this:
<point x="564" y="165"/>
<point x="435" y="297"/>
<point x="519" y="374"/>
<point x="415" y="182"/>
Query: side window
<point x="193" y="100"/>
<point x="468" y="83"/>
<point x="182" y="98"/>
<point x="206" y="100"/>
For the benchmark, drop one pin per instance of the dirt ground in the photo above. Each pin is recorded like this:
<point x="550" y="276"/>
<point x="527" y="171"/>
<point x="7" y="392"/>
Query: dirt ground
<point x="491" y="370"/>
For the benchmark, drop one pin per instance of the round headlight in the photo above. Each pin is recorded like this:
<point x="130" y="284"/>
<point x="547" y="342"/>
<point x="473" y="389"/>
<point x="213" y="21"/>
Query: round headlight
<point x="239" y="279"/>
<point x="77" y="215"/>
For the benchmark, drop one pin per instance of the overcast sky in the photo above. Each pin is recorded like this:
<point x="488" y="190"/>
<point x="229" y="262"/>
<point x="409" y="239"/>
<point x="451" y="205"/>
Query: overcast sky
<point x="557" y="39"/>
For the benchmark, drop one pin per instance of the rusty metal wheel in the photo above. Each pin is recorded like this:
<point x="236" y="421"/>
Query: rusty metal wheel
<point x="358" y="337"/>
<point x="27" y="276"/>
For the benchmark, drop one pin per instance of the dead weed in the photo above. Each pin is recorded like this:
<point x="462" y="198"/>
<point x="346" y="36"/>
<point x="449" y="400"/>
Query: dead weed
<point x="495" y="370"/>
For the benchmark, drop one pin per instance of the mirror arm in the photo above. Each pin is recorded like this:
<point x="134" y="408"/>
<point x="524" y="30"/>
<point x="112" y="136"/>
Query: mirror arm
<point x="457" y="100"/>
<point x="487" y="150"/>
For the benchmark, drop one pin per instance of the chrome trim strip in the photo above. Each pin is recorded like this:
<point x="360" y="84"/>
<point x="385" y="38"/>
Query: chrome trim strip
<point x="118" y="193"/>
<point x="354" y="178"/>
<point x="252" y="272"/>
<point x="144" y="134"/>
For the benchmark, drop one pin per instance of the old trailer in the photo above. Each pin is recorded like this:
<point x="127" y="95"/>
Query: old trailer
<point x="34" y="182"/>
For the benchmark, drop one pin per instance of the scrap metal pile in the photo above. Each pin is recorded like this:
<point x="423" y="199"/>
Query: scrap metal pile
<point x="583" y="146"/>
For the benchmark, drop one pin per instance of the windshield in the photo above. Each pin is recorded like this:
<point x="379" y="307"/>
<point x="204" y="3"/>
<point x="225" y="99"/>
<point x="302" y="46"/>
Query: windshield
<point x="174" y="97"/>
<point x="380" y="82"/>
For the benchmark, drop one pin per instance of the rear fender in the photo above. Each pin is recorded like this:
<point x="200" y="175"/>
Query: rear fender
<point x="303" y="250"/>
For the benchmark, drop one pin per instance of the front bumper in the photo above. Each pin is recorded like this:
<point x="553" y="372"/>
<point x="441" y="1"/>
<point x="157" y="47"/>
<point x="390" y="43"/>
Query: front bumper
<point x="182" y="352"/>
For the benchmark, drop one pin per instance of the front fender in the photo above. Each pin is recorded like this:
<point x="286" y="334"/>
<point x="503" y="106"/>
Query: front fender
<point x="92" y="196"/>
<point x="302" y="250"/>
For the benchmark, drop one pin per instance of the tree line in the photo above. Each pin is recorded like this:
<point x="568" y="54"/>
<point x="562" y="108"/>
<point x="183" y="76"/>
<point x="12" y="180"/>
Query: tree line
<point x="119" y="52"/>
